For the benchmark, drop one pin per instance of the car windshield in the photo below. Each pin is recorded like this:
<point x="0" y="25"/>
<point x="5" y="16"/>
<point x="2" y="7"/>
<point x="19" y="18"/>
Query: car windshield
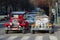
<point x="15" y="16"/>
<point x="30" y="18"/>
<point x="32" y="13"/>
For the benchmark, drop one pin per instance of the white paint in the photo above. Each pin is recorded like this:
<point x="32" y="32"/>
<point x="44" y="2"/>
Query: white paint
<point x="38" y="22"/>
<point x="12" y="37"/>
<point x="25" y="38"/>
<point x="2" y="37"/>
<point x="39" y="38"/>
<point x="53" y="38"/>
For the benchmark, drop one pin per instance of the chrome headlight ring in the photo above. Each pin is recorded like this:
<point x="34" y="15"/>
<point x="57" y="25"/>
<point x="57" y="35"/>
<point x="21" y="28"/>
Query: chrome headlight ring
<point x="10" y="23"/>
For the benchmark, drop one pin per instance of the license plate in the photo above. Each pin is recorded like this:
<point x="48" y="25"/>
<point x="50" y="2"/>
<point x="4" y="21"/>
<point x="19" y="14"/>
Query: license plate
<point x="14" y="28"/>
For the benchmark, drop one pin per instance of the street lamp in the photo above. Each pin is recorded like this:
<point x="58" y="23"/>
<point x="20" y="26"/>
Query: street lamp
<point x="55" y="7"/>
<point x="57" y="12"/>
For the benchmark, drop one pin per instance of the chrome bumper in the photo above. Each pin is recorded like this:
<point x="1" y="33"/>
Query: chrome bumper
<point x="7" y="28"/>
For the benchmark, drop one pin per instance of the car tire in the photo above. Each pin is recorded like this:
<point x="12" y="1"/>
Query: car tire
<point x="33" y="31"/>
<point x="6" y="31"/>
<point x="23" y="31"/>
<point x="51" y="31"/>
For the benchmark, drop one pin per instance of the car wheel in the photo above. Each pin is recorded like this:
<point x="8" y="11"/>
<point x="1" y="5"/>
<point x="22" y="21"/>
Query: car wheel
<point x="33" y="31"/>
<point x="51" y="31"/>
<point x="24" y="30"/>
<point x="6" y="31"/>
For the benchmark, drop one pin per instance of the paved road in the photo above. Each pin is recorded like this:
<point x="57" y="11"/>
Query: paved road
<point x="29" y="36"/>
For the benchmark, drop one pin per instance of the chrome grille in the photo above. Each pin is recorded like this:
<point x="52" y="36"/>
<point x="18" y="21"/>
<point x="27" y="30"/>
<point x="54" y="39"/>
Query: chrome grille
<point x="15" y="22"/>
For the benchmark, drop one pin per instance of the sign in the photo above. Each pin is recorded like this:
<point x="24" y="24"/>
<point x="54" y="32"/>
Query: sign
<point x="53" y="11"/>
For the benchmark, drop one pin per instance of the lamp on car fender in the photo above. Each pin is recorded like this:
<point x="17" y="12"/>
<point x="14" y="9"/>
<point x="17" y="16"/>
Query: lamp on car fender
<point x="49" y="24"/>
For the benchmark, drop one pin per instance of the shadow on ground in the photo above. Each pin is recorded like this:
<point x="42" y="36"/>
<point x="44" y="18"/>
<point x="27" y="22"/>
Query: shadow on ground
<point x="56" y="28"/>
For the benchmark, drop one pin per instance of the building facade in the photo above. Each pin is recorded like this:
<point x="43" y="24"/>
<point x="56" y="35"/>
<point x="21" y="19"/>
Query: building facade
<point x="59" y="5"/>
<point x="6" y="6"/>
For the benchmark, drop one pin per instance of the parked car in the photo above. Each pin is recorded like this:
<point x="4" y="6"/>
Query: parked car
<point x="42" y="22"/>
<point x="30" y="17"/>
<point x="3" y="17"/>
<point x="16" y="22"/>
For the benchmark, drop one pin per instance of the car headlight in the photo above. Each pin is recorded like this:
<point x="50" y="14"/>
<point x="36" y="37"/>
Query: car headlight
<point x="18" y="23"/>
<point x="49" y="24"/>
<point x="10" y="23"/>
<point x="33" y="25"/>
<point x="19" y="26"/>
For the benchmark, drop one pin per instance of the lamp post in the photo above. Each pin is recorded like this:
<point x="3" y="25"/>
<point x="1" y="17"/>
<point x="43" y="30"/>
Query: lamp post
<point x="56" y="12"/>
<point x="55" y="7"/>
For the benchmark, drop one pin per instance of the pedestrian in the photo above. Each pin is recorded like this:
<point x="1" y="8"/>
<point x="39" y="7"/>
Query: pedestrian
<point x="52" y="20"/>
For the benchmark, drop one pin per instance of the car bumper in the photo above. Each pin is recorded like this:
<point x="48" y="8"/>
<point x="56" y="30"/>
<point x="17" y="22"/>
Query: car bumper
<point x="41" y="28"/>
<point x="7" y="28"/>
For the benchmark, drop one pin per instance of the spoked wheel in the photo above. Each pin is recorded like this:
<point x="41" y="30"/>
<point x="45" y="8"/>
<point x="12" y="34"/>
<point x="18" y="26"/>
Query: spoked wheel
<point x="51" y="31"/>
<point x="24" y="30"/>
<point x="6" y="31"/>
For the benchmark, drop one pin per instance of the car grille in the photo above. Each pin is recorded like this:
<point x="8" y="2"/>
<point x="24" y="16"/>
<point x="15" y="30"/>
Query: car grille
<point x="15" y="25"/>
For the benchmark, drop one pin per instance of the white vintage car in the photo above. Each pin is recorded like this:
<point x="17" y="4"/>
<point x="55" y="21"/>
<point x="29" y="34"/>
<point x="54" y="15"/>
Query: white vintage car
<point x="42" y="23"/>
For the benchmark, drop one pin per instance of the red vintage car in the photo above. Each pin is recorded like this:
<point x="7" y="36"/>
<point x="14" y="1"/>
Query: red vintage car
<point x="17" y="22"/>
